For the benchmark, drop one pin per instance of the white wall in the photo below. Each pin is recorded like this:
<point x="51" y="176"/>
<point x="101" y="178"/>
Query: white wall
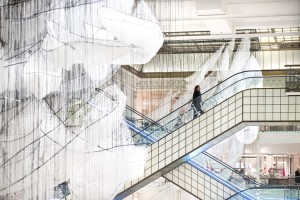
<point x="277" y="59"/>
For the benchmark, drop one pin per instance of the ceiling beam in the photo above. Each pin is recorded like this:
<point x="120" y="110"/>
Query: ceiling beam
<point x="224" y="36"/>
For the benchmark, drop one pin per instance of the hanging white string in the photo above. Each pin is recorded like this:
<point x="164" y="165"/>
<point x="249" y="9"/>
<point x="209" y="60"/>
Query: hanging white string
<point x="53" y="56"/>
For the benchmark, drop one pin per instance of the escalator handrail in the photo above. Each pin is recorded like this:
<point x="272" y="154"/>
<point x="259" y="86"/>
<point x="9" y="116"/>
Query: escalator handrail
<point x="139" y="132"/>
<point x="219" y="179"/>
<point x="147" y="118"/>
<point x="133" y="110"/>
<point x="140" y="114"/>
<point x="250" y="71"/>
<point x="218" y="85"/>
<point x="225" y="88"/>
<point x="231" y="168"/>
<point x="157" y="122"/>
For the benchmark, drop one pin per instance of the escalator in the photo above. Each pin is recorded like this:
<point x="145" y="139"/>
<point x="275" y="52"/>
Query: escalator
<point x="225" y="89"/>
<point x="224" y="117"/>
<point x="235" y="183"/>
<point x="183" y="114"/>
<point x="226" y="172"/>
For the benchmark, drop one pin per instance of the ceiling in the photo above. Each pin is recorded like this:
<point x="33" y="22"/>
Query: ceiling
<point x="276" y="141"/>
<point x="202" y="26"/>
<point x="187" y="43"/>
<point x="289" y="149"/>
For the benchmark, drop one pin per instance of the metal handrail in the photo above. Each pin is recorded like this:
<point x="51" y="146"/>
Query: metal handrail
<point x="231" y="168"/>
<point x="157" y="122"/>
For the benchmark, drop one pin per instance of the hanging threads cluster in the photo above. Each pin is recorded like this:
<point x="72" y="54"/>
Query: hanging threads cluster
<point x="60" y="136"/>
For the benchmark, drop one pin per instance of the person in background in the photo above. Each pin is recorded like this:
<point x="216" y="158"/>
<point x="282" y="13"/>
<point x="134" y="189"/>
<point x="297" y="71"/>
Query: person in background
<point x="297" y="176"/>
<point x="197" y="99"/>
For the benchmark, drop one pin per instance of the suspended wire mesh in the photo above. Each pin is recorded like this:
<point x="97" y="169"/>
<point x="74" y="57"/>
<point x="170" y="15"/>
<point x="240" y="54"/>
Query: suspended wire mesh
<point x="59" y="134"/>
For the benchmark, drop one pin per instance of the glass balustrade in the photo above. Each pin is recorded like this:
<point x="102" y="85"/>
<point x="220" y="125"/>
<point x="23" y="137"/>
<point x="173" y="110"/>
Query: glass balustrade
<point x="147" y="131"/>
<point x="268" y="193"/>
<point x="185" y="113"/>
<point x="223" y="171"/>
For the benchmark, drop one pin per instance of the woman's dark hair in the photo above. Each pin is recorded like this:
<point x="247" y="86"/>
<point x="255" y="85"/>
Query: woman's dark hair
<point x="196" y="92"/>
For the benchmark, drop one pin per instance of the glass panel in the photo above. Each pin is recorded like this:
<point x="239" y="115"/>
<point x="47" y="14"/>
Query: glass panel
<point x="147" y="134"/>
<point x="142" y="126"/>
<point x="153" y="131"/>
<point x="224" y="172"/>
<point x="274" y="193"/>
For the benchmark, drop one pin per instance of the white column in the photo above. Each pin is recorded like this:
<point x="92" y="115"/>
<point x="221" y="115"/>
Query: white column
<point x="258" y="156"/>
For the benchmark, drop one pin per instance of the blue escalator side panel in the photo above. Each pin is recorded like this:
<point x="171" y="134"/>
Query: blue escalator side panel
<point x="132" y="126"/>
<point x="220" y="180"/>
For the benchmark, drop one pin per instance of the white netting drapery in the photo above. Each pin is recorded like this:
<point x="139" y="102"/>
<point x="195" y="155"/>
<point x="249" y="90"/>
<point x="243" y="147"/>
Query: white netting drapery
<point x="232" y="148"/>
<point x="222" y="65"/>
<point x="94" y="33"/>
<point x="201" y="72"/>
<point x="248" y="134"/>
<point x="55" y="127"/>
